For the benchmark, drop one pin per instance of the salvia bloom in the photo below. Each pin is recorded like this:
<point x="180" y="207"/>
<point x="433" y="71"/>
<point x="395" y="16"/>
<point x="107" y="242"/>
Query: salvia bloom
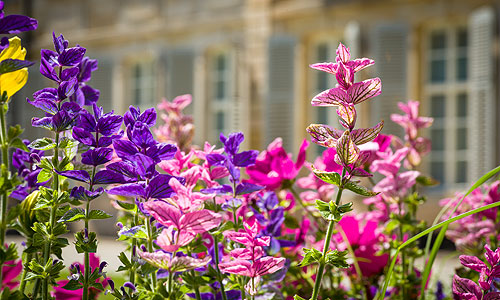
<point x="345" y="96"/>
<point x="178" y="128"/>
<point x="465" y="288"/>
<point x="25" y="163"/>
<point x="250" y="261"/>
<point x="475" y="230"/>
<point x="233" y="160"/>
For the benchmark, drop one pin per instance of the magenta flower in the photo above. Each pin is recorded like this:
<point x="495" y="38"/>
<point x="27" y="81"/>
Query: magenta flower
<point x="467" y="289"/>
<point x="274" y="165"/>
<point x="365" y="241"/>
<point x="10" y="271"/>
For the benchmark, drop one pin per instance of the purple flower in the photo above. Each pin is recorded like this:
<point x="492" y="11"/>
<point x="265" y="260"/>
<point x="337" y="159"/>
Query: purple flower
<point x="13" y="24"/>
<point x="25" y="163"/>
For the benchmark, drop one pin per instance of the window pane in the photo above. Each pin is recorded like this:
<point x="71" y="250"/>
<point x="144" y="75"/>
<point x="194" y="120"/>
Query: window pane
<point x="438" y="70"/>
<point x="220" y="92"/>
<point x="322" y="52"/>
<point x="438" y="40"/>
<point x="322" y="115"/>
<point x="461" y="172"/>
<point x="437" y="171"/>
<point x="322" y="81"/>
<point x="462" y="105"/>
<point x="462" y="68"/>
<point x="437" y="139"/>
<point x="221" y="63"/>
<point x="219" y="121"/>
<point x="461" y="138"/>
<point x="462" y="37"/>
<point x="437" y="106"/>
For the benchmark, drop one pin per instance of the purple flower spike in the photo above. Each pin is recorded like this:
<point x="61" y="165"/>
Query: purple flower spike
<point x="129" y="285"/>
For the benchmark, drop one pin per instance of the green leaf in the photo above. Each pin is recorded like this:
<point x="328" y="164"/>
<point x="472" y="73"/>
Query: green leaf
<point x="72" y="285"/>
<point x="18" y="143"/>
<point x="328" y="177"/>
<point x="43" y="144"/>
<point x="311" y="256"/>
<point x="427" y="181"/>
<point x="360" y="190"/>
<point x="10" y="65"/>
<point x="14" y="131"/>
<point x="126" y="205"/>
<point x="297" y="297"/>
<point x="324" y="210"/>
<point x="96" y="214"/>
<point x="337" y="259"/>
<point x="43" y="176"/>
<point x="73" y="215"/>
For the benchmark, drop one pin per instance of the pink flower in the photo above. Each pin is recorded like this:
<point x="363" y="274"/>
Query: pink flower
<point x="10" y="271"/>
<point x="181" y="228"/>
<point x="250" y="261"/>
<point x="274" y="165"/>
<point x="178" y="128"/>
<point x="171" y="263"/>
<point x="366" y="243"/>
<point x="411" y="122"/>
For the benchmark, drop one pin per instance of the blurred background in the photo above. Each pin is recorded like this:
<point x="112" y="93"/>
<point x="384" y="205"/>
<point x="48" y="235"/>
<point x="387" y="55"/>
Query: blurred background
<point x="246" y="62"/>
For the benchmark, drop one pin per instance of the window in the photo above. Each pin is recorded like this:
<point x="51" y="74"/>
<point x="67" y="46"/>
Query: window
<point x="220" y="95"/>
<point x="143" y="85"/>
<point x="446" y="92"/>
<point x="323" y="52"/>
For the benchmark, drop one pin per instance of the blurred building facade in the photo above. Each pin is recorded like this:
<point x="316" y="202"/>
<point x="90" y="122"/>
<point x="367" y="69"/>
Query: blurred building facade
<point x="246" y="64"/>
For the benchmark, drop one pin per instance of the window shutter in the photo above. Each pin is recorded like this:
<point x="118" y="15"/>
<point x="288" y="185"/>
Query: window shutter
<point x="180" y="66"/>
<point x="102" y="79"/>
<point x="279" y="108"/>
<point x="390" y="46"/>
<point x="482" y="104"/>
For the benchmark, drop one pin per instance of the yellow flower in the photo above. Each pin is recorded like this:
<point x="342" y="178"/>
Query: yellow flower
<point x="13" y="81"/>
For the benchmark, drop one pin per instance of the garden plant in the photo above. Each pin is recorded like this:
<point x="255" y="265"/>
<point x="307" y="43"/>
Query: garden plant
<point x="216" y="222"/>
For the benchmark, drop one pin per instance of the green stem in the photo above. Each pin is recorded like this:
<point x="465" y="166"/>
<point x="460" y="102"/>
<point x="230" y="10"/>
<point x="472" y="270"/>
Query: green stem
<point x="134" y="244"/>
<point x="219" y="275"/>
<point x="6" y="162"/>
<point x="241" y="281"/>
<point x="52" y="220"/>
<point x="150" y="249"/>
<point x="170" y="284"/>
<point x="326" y="246"/>
<point x="28" y="257"/>
<point x="299" y="200"/>
<point x="87" y="256"/>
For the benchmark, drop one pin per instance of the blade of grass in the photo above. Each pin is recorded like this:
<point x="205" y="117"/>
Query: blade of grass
<point x="429" y="230"/>
<point x="439" y="240"/>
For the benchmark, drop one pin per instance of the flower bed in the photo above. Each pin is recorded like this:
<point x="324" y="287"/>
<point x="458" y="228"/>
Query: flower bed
<point x="208" y="222"/>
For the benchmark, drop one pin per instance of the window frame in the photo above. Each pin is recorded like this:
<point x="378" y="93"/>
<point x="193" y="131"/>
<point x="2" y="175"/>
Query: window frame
<point x="451" y="88"/>
<point x="225" y="104"/>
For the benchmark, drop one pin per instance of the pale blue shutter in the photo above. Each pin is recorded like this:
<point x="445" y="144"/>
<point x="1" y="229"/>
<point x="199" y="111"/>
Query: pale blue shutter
<point x="279" y="108"/>
<point x="390" y="47"/>
<point x="482" y="92"/>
